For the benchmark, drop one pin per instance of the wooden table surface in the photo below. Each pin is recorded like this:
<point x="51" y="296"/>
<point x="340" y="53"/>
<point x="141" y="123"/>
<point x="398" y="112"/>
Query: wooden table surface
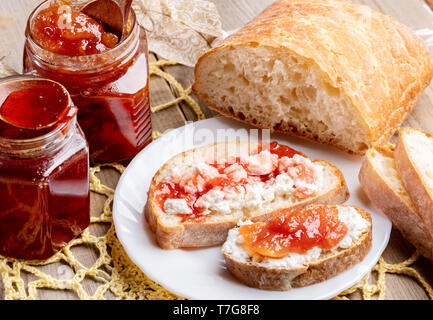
<point x="234" y="13"/>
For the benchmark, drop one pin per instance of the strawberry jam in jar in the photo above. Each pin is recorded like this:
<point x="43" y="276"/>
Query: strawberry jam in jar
<point x="107" y="79"/>
<point x="44" y="169"/>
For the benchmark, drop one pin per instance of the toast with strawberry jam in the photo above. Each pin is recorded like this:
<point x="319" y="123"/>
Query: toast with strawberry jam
<point x="298" y="247"/>
<point x="198" y="195"/>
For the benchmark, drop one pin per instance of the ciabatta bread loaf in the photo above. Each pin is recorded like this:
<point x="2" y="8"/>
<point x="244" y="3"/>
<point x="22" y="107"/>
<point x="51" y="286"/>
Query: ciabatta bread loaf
<point x="198" y="195"/>
<point x="414" y="161"/>
<point x="301" y="269"/>
<point x="382" y="184"/>
<point x="331" y="71"/>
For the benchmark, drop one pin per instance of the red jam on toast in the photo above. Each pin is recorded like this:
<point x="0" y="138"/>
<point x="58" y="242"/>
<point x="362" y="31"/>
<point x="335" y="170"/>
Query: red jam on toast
<point x="232" y="175"/>
<point x="294" y="231"/>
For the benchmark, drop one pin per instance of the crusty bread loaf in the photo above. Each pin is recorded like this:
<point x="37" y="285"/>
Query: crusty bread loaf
<point x="414" y="161"/>
<point x="382" y="184"/>
<point x="331" y="71"/>
<point x="172" y="233"/>
<point x="270" y="274"/>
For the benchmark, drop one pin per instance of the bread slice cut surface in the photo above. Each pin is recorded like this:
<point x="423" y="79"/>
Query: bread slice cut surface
<point x="319" y="242"/>
<point x="381" y="182"/>
<point x="414" y="161"/>
<point x="197" y="196"/>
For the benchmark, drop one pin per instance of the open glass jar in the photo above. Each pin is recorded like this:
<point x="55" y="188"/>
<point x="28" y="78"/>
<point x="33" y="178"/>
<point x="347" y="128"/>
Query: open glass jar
<point x="109" y="88"/>
<point x="44" y="169"/>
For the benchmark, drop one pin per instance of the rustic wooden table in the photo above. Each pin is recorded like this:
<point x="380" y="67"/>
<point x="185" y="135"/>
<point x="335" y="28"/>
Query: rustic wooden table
<point x="234" y="13"/>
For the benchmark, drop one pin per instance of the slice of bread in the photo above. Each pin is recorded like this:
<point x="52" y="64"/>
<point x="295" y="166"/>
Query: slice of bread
<point x="172" y="232"/>
<point x="330" y="71"/>
<point x="414" y="161"/>
<point x="297" y="270"/>
<point x="382" y="184"/>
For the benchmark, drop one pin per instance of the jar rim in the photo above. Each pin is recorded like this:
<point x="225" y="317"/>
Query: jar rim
<point x="44" y="137"/>
<point x="120" y="47"/>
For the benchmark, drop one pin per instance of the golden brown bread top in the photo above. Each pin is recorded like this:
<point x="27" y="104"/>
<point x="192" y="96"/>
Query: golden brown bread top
<point x="379" y="63"/>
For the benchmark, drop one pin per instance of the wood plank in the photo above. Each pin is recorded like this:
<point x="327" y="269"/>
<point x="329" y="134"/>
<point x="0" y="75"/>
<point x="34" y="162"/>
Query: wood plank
<point x="235" y="14"/>
<point x="184" y="75"/>
<point x="160" y="93"/>
<point x="13" y="16"/>
<point x="399" y="286"/>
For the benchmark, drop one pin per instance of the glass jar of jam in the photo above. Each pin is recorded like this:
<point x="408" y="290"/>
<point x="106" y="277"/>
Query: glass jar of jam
<point x="44" y="169"/>
<point x="108" y="81"/>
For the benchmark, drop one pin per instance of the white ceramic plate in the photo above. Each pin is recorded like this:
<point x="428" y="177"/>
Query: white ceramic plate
<point x="201" y="273"/>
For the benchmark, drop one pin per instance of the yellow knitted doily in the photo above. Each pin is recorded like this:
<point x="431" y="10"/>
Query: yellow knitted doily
<point x="114" y="271"/>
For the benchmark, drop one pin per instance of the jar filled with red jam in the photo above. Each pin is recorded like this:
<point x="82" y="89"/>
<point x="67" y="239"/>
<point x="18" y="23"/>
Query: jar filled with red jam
<point x="107" y="79"/>
<point x="44" y="169"/>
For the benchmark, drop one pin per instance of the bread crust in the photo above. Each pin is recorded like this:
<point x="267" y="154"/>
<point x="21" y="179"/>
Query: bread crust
<point x="413" y="180"/>
<point x="203" y="234"/>
<point x="379" y="64"/>
<point x="328" y="266"/>
<point x="400" y="211"/>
